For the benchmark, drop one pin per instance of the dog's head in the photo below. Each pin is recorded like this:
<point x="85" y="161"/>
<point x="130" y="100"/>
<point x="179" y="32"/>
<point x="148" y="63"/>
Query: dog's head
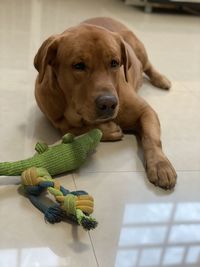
<point x="87" y="63"/>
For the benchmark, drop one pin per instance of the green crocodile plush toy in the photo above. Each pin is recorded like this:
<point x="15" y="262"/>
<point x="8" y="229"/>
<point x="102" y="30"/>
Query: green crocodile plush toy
<point x="67" y="156"/>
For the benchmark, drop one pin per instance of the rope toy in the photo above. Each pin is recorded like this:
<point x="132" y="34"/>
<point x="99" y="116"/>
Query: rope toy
<point x="75" y="205"/>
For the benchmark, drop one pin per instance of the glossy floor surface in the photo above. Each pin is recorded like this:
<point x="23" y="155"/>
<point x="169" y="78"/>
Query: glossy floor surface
<point x="139" y="225"/>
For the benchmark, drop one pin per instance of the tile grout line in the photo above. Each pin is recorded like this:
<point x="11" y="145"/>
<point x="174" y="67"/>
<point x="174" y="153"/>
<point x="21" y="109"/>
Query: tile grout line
<point x="94" y="252"/>
<point x="111" y="172"/>
<point x="90" y="238"/>
<point x="133" y="171"/>
<point x="73" y="178"/>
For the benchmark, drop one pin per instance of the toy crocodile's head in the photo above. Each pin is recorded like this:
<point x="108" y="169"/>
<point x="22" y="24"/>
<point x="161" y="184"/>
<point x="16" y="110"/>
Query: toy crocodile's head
<point x="90" y="140"/>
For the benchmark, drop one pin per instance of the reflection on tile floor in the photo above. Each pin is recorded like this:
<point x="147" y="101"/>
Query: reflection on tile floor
<point x="142" y="226"/>
<point x="139" y="225"/>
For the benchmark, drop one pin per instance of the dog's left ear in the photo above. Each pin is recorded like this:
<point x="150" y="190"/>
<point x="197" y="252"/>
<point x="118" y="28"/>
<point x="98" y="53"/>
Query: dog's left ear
<point x="125" y="57"/>
<point x="46" y="55"/>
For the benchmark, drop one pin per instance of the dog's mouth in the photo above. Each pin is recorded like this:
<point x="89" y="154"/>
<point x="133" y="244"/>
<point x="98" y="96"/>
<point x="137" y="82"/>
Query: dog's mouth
<point x="95" y="117"/>
<point x="99" y="119"/>
<point x="103" y="120"/>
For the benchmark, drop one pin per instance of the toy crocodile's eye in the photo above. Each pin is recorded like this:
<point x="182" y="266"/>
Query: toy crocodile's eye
<point x="114" y="63"/>
<point x="79" y="66"/>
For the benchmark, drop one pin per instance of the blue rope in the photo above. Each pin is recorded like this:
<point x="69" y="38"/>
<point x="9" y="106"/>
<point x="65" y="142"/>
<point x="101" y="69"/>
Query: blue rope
<point x="52" y="214"/>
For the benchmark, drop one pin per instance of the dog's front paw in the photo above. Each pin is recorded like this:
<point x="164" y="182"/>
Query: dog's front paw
<point x="162" y="174"/>
<point x="111" y="131"/>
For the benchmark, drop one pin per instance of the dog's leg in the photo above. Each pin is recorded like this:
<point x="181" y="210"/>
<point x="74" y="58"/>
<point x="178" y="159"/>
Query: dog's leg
<point x="159" y="170"/>
<point x="110" y="130"/>
<point x="157" y="79"/>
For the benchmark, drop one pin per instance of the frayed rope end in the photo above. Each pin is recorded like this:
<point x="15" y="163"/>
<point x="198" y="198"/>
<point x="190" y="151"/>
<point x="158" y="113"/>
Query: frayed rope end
<point x="54" y="214"/>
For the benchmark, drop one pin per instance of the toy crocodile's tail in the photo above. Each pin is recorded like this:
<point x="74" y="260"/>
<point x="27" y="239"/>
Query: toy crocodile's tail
<point x="16" y="167"/>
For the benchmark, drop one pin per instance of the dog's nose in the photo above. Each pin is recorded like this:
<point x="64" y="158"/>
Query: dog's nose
<point x="106" y="105"/>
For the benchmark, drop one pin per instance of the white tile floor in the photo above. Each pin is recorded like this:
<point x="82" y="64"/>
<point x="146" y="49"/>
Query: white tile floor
<point x="139" y="225"/>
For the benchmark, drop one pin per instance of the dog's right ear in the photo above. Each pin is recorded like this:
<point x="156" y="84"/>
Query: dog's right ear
<point x="46" y="55"/>
<point x="126" y="58"/>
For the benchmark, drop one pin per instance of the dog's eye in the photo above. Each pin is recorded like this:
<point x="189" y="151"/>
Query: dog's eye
<point x="114" y="63"/>
<point x="79" y="66"/>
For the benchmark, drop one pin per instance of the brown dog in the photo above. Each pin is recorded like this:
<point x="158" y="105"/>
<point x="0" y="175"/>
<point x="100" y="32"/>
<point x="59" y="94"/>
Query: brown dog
<point x="88" y="77"/>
